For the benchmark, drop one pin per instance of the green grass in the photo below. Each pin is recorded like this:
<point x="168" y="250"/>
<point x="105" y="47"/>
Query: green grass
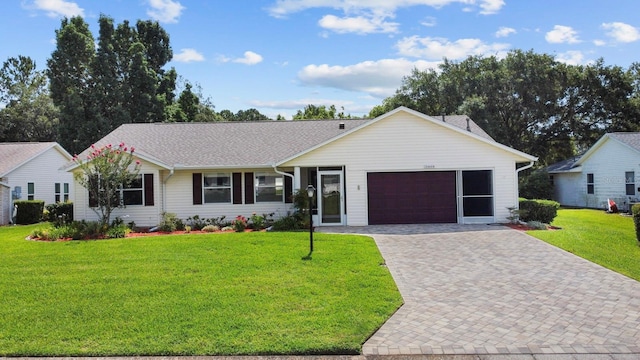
<point x="213" y="294"/>
<point x="605" y="239"/>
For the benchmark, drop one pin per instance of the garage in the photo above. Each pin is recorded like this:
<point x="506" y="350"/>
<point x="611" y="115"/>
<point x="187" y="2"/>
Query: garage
<point x="423" y="197"/>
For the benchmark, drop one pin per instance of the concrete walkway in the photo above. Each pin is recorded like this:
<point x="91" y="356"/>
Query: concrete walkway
<point x="489" y="290"/>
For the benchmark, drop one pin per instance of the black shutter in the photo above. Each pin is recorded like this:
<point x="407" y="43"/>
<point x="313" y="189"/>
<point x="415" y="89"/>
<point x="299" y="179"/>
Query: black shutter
<point x="197" y="188"/>
<point x="288" y="190"/>
<point x="93" y="188"/>
<point x="237" y="188"/>
<point x="148" y="189"/>
<point x="248" y="188"/>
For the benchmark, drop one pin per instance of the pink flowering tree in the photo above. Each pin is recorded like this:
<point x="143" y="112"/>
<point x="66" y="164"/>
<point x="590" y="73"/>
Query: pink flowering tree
<point x="103" y="173"/>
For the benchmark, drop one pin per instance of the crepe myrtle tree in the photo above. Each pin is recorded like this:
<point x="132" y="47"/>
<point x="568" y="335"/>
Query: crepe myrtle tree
<point x="103" y="173"/>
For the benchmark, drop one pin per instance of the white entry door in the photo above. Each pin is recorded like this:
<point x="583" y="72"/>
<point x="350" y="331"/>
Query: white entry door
<point x="330" y="198"/>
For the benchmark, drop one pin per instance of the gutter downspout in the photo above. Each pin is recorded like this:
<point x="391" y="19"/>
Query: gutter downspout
<point x="293" y="178"/>
<point x="517" y="177"/>
<point x="164" y="190"/>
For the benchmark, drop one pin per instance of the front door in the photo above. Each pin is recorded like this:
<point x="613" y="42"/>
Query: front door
<point x="331" y="199"/>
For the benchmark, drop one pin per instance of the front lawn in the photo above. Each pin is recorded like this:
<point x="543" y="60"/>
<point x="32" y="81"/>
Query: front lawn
<point x="213" y="294"/>
<point x="605" y="239"/>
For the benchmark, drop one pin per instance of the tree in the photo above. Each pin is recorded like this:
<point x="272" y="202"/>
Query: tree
<point x="29" y="113"/>
<point x="320" y="113"/>
<point x="105" y="171"/>
<point x="71" y="85"/>
<point x="527" y="101"/>
<point x="120" y="81"/>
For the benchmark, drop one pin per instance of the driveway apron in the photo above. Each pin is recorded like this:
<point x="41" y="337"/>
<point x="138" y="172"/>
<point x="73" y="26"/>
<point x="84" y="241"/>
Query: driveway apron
<point x="499" y="291"/>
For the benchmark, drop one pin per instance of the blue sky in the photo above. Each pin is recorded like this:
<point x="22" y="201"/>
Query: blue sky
<point x="279" y="55"/>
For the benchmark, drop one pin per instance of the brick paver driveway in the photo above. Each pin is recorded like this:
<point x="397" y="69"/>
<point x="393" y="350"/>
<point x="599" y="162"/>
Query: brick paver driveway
<point x="500" y="291"/>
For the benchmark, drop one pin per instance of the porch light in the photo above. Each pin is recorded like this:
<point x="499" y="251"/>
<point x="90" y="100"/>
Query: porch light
<point x="310" y="192"/>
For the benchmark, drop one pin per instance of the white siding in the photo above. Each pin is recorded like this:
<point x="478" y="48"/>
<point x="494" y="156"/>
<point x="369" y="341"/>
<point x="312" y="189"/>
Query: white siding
<point x="568" y="190"/>
<point x="44" y="171"/>
<point x="404" y="142"/>
<point x="608" y="165"/>
<point x="179" y="197"/>
<point x="140" y="214"/>
<point x="5" y="205"/>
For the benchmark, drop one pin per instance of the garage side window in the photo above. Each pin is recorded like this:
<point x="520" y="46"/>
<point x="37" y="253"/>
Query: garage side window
<point x="477" y="193"/>
<point x="590" y="184"/>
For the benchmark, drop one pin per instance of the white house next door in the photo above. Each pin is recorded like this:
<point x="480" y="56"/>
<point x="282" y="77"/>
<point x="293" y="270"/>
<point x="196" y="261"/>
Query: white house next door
<point x="331" y="199"/>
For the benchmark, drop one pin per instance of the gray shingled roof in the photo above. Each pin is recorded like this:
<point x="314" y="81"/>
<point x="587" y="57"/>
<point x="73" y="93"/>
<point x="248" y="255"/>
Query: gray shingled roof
<point x="563" y="166"/>
<point x="236" y="144"/>
<point x="630" y="139"/>
<point x="13" y="155"/>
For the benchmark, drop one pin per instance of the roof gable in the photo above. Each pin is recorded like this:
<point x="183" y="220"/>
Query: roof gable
<point x="630" y="140"/>
<point x="251" y="144"/>
<point x="14" y="155"/>
<point x="458" y="123"/>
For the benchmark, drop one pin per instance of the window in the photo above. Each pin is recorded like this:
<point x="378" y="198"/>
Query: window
<point x="31" y="191"/>
<point x="133" y="194"/>
<point x="61" y="196"/>
<point x="590" y="184"/>
<point x="57" y="192"/>
<point x="630" y="182"/>
<point x="269" y="187"/>
<point x="217" y="188"/>
<point x="477" y="193"/>
<point x="66" y="192"/>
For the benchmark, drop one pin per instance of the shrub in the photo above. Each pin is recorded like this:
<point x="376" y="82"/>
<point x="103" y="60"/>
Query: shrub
<point x="538" y="210"/>
<point x="635" y="210"/>
<point x="59" y="213"/>
<point x="257" y="222"/>
<point x="169" y="222"/>
<point x="29" y="211"/>
<point x="537" y="225"/>
<point x="211" y="228"/>
<point x="196" y="222"/>
<point x="290" y="222"/>
<point x="239" y="224"/>
<point x="119" y="231"/>
<point x="218" y="221"/>
<point x="536" y="185"/>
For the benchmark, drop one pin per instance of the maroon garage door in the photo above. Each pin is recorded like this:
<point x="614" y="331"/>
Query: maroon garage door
<point x="425" y="197"/>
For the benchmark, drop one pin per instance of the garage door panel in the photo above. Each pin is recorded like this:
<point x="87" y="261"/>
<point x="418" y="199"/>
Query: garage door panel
<point x="412" y="197"/>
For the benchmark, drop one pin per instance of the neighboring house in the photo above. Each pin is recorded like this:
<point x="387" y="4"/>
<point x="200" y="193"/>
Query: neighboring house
<point x="33" y="171"/>
<point x="607" y="170"/>
<point x="402" y="167"/>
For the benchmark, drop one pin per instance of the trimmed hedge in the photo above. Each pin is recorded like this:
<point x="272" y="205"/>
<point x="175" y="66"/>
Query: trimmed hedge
<point x="29" y="211"/>
<point x="635" y="210"/>
<point x="60" y="213"/>
<point x="543" y="211"/>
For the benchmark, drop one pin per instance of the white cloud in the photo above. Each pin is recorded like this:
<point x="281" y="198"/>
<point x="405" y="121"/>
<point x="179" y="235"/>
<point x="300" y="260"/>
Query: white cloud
<point x="621" y="32"/>
<point x="378" y="78"/>
<point x="438" y="48"/>
<point x="165" y="11"/>
<point x="57" y="8"/>
<point x="571" y="57"/>
<point x="250" y="58"/>
<point x="491" y="6"/>
<point x="562" y="34"/>
<point x="299" y="103"/>
<point x="429" y="21"/>
<point x="504" y="31"/>
<point x="358" y="24"/>
<point x="282" y="8"/>
<point x="599" y="42"/>
<point x="188" y="55"/>
<point x="369" y="16"/>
